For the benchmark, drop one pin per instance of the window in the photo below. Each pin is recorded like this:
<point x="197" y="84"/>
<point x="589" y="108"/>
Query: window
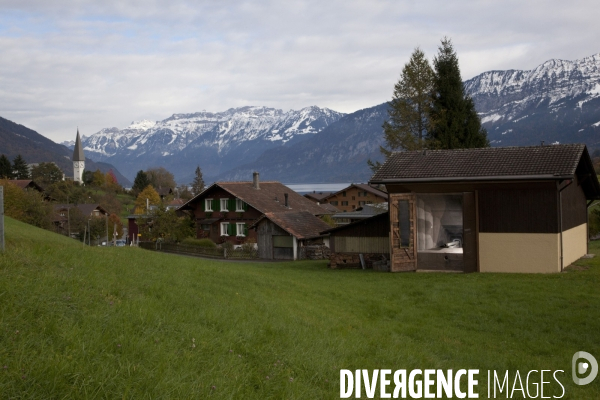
<point x="362" y="203"/>
<point x="353" y="198"/>
<point x="359" y="194"/>
<point x="224" y="228"/>
<point x="344" y="203"/>
<point x="241" y="229"/>
<point x="343" y="194"/>
<point x="239" y="205"/>
<point x="206" y="227"/>
<point x="224" y="205"/>
<point x="404" y="222"/>
<point x="208" y="205"/>
<point x="333" y="203"/>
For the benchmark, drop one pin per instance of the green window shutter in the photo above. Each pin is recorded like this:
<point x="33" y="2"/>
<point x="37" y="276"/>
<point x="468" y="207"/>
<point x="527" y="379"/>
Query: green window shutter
<point x="215" y="205"/>
<point x="203" y="205"/>
<point x="231" y="206"/>
<point x="231" y="229"/>
<point x="245" y="230"/>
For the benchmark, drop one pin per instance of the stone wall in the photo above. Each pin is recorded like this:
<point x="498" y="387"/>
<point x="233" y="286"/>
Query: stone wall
<point x="313" y="252"/>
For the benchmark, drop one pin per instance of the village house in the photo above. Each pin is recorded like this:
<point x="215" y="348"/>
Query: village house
<point x="354" y="196"/>
<point x="363" y="212"/>
<point x="225" y="210"/>
<point x="512" y="209"/>
<point x="62" y="213"/>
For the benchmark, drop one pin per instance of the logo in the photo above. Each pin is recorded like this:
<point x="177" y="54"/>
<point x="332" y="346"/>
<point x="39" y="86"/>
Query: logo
<point x="582" y="367"/>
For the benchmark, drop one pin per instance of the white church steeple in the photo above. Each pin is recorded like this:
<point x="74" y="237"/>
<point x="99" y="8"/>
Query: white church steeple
<point x="78" y="160"/>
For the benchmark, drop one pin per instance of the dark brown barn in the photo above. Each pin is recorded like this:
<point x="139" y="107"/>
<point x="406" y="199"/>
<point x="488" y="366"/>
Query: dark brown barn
<point x="513" y="209"/>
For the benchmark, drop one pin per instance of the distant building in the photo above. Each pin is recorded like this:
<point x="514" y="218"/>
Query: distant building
<point x="78" y="160"/>
<point x="354" y="196"/>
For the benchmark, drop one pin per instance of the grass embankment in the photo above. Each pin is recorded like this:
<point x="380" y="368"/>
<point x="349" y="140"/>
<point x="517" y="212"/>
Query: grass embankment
<point x="128" y="323"/>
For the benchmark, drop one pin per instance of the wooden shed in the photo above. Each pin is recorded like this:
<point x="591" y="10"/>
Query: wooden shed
<point x="513" y="209"/>
<point x="366" y="238"/>
<point x="281" y="236"/>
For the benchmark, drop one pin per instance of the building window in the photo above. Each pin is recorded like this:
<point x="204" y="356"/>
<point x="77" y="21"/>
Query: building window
<point x="333" y="203"/>
<point x="343" y="194"/>
<point x="359" y="194"/>
<point x="224" y="228"/>
<point x="361" y="203"/>
<point x="224" y="205"/>
<point x="208" y="205"/>
<point x="239" y="205"/>
<point x="364" y="194"/>
<point x="353" y="198"/>
<point x="344" y="203"/>
<point x="241" y="229"/>
<point x="206" y="227"/>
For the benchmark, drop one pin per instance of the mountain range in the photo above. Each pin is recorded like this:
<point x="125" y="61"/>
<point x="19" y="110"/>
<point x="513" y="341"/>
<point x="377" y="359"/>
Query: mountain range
<point x="17" y="139"/>
<point x="558" y="101"/>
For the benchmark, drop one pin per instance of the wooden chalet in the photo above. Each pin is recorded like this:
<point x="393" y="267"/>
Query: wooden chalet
<point x="225" y="210"/>
<point x="512" y="209"/>
<point x="355" y="196"/>
<point x="282" y="235"/>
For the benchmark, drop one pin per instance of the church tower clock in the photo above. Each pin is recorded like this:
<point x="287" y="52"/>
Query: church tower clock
<point x="78" y="160"/>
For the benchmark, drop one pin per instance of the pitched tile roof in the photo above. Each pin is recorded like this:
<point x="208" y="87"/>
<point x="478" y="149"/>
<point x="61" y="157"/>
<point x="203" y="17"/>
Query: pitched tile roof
<point x="86" y="209"/>
<point x="317" y="196"/>
<point x="301" y="224"/>
<point x="362" y="186"/>
<point x="269" y="198"/>
<point x="487" y="163"/>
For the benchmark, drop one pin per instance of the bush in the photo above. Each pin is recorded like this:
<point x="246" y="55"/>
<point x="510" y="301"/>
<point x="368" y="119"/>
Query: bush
<point x="207" y="243"/>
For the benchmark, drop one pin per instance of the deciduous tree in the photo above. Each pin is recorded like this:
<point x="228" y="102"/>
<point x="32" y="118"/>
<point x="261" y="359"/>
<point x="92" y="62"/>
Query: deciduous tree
<point x="46" y="174"/>
<point x="147" y="197"/>
<point x="161" y="178"/>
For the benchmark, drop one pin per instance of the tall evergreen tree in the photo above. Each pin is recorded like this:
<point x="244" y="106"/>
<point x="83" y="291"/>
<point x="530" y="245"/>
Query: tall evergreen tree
<point x="5" y="168"/>
<point x="140" y="182"/>
<point x="455" y="123"/>
<point x="408" y="125"/>
<point x="20" y="168"/>
<point x="198" y="183"/>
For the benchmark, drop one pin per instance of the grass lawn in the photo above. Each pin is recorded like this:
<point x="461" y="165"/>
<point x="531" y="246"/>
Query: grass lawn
<point x="128" y="323"/>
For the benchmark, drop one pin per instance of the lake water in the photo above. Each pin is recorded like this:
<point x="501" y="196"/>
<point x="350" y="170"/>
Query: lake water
<point x="317" y="187"/>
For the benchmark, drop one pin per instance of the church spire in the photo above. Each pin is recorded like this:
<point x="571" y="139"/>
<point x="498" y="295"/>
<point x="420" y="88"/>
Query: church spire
<point x="78" y="150"/>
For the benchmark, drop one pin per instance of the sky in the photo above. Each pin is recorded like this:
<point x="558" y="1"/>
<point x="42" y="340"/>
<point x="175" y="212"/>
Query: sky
<point x="68" y="64"/>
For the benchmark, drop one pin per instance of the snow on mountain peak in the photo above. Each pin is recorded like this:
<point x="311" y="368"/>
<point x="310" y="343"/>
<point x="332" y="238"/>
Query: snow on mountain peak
<point x="141" y="125"/>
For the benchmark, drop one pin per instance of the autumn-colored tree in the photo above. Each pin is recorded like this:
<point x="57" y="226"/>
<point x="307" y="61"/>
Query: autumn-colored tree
<point x="98" y="178"/>
<point x="161" y="178"/>
<point x="114" y="224"/>
<point x="147" y="197"/>
<point x="111" y="183"/>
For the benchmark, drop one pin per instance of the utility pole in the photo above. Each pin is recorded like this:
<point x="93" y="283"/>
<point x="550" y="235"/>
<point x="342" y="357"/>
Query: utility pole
<point x="2" y="219"/>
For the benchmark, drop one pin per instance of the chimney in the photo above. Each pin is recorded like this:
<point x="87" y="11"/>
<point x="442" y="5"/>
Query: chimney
<point x="286" y="200"/>
<point x="255" y="181"/>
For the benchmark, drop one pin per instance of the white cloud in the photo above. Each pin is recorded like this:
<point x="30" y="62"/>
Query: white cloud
<point x="101" y="64"/>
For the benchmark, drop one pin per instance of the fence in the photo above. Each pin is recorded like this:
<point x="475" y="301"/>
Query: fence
<point x="242" y="253"/>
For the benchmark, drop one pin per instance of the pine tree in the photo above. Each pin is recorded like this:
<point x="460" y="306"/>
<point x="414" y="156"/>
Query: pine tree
<point x="408" y="125"/>
<point x="198" y="183"/>
<point x="5" y="168"/>
<point x="20" y="168"/>
<point x="140" y="182"/>
<point x="455" y="123"/>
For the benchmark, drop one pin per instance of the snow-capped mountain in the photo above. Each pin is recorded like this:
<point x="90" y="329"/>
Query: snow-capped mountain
<point x="559" y="101"/>
<point x="216" y="141"/>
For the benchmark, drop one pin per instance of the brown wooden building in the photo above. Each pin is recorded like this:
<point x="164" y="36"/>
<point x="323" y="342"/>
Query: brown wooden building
<point x="282" y="235"/>
<point x="354" y="196"/>
<point x="225" y="210"/>
<point x="513" y="209"/>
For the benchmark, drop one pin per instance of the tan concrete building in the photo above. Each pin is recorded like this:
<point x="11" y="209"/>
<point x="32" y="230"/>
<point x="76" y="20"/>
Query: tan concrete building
<point x="513" y="209"/>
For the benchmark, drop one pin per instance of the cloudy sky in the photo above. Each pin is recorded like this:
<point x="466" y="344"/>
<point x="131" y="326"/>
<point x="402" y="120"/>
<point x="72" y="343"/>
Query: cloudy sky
<point x="97" y="64"/>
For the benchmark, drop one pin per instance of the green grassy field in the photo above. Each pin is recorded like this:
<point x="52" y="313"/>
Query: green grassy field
<point x="128" y="323"/>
